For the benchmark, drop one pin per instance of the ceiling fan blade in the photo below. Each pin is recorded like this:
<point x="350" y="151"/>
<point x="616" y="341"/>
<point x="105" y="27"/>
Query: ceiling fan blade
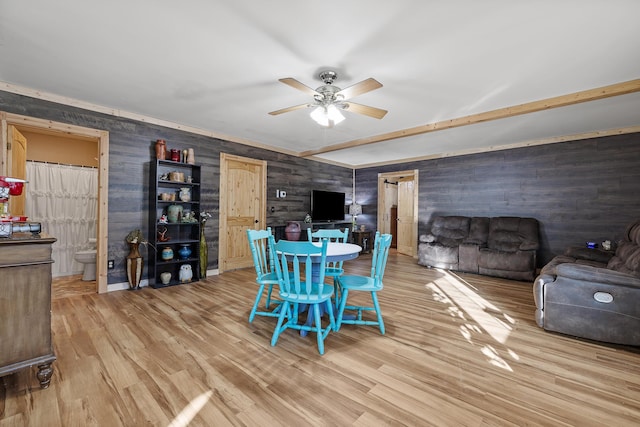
<point x="297" y="85"/>
<point x="374" y="112"/>
<point x="286" y="110"/>
<point x="360" y="88"/>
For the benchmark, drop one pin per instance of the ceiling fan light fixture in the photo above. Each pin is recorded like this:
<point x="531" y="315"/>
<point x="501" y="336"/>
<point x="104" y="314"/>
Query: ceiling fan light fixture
<point x="328" y="99"/>
<point x="320" y="116"/>
<point x="334" y="114"/>
<point x="327" y="115"/>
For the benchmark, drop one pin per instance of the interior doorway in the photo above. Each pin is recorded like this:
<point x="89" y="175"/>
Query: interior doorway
<point x="243" y="191"/>
<point x="398" y="202"/>
<point x="56" y="129"/>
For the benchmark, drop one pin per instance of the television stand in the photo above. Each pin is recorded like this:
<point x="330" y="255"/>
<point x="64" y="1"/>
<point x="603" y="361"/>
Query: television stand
<point x="323" y="225"/>
<point x="278" y="230"/>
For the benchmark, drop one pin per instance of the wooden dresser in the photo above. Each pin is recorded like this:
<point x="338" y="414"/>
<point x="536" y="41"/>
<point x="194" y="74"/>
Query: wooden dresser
<point x="25" y="305"/>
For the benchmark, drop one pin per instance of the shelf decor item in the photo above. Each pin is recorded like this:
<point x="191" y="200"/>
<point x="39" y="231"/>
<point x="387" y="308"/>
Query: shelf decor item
<point x="292" y="230"/>
<point x="165" y="278"/>
<point x="167" y="253"/>
<point x="185" y="194"/>
<point x="135" y="262"/>
<point x="186" y="273"/>
<point x="174" y="213"/>
<point x="191" y="157"/>
<point x="161" y="149"/>
<point x="184" y="251"/>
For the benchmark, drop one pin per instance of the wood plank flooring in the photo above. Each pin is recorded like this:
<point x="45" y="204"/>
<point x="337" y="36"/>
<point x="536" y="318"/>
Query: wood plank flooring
<point x="460" y="349"/>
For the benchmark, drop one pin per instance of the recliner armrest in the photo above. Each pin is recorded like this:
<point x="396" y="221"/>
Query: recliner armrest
<point x="589" y="273"/>
<point x="529" y="245"/>
<point x="588" y="254"/>
<point x="427" y="238"/>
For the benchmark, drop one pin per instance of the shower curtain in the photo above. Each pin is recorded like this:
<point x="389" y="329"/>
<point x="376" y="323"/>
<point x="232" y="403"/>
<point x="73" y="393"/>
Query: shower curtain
<point x="64" y="199"/>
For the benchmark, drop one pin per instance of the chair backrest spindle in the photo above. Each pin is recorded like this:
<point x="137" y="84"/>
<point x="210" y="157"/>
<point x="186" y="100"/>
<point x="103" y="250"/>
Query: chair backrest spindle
<point x="382" y="244"/>
<point x="295" y="253"/>
<point x="260" y="243"/>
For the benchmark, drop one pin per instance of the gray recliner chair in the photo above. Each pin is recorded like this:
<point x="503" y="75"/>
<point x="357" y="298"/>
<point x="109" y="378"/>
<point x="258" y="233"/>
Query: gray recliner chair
<point x="593" y="294"/>
<point x="439" y="248"/>
<point x="511" y="249"/>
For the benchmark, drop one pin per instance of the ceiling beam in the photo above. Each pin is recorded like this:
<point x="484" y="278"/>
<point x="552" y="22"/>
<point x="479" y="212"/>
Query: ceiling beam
<point x="617" y="89"/>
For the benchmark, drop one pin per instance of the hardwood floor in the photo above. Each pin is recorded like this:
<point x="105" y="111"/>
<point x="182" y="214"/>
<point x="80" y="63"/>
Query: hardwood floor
<point x="459" y="350"/>
<point x="70" y="286"/>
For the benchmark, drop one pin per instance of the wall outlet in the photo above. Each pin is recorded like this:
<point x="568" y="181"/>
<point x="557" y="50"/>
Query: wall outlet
<point x="283" y="194"/>
<point x="111" y="264"/>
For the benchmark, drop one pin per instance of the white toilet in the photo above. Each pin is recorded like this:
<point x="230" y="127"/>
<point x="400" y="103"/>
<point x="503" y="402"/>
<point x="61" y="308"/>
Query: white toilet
<point x="88" y="258"/>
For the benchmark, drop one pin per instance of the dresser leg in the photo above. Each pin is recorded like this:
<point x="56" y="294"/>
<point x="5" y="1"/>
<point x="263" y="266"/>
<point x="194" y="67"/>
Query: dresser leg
<point x="45" y="371"/>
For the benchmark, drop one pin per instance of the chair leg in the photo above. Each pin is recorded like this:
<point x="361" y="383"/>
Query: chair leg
<point x="343" y="303"/>
<point x="337" y="291"/>
<point x="252" y="315"/>
<point x="284" y="312"/>
<point x="268" y="303"/>
<point x="332" y="321"/>
<point x="374" y="297"/>
<point x="319" y="334"/>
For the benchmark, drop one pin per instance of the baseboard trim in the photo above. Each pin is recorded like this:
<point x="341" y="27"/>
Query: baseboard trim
<point x="124" y="286"/>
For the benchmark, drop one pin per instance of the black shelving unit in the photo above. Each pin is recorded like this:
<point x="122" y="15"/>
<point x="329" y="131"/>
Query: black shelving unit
<point x="168" y="178"/>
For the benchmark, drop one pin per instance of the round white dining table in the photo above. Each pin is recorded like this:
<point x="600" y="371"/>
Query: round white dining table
<point x="341" y="251"/>
<point x="336" y="252"/>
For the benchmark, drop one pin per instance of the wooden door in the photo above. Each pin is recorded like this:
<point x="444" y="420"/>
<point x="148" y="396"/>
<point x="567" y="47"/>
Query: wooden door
<point x="393" y="222"/>
<point x="406" y="216"/>
<point x="243" y="190"/>
<point x="17" y="167"/>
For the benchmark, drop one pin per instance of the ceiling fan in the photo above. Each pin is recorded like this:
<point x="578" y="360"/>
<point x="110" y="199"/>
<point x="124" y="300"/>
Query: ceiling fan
<point x="328" y="99"/>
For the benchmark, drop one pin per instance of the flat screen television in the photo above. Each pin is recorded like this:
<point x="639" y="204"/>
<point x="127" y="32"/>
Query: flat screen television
<point x="327" y="205"/>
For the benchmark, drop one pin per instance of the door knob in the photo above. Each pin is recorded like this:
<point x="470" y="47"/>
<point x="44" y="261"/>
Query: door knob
<point x="256" y="221"/>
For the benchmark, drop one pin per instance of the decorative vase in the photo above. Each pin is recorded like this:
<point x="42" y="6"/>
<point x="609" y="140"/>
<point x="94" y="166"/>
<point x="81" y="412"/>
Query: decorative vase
<point x="184" y="155"/>
<point x="165" y="278"/>
<point x="161" y="149"/>
<point x="185" y="194"/>
<point x="175" y="155"/>
<point x="184" y="251"/>
<point x="174" y="213"/>
<point x="167" y="253"/>
<point x="191" y="157"/>
<point x="204" y="254"/>
<point x="135" y="263"/>
<point x="292" y="230"/>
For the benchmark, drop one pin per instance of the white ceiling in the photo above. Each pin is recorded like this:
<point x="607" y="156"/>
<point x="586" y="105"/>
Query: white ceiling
<point x="215" y="65"/>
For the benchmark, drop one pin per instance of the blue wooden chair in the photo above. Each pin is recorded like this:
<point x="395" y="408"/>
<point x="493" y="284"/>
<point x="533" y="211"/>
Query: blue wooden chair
<point x="333" y="269"/>
<point x="372" y="283"/>
<point x="309" y="289"/>
<point x="262" y="244"/>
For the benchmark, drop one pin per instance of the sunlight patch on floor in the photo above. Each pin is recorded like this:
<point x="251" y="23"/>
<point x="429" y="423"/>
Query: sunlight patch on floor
<point x="191" y="410"/>
<point x="480" y="316"/>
